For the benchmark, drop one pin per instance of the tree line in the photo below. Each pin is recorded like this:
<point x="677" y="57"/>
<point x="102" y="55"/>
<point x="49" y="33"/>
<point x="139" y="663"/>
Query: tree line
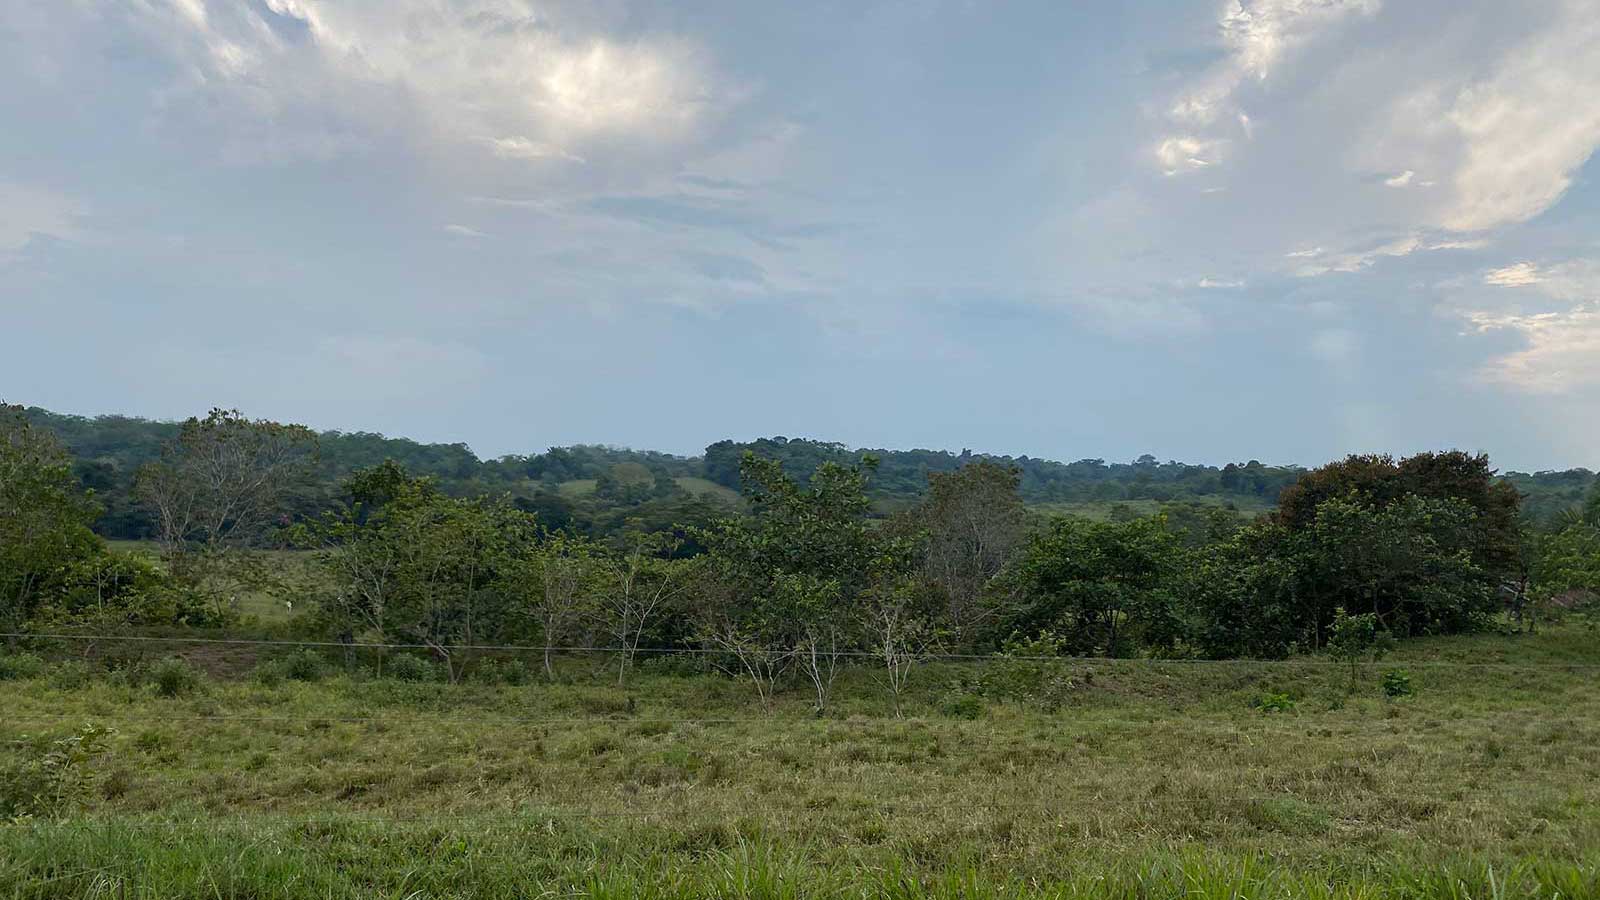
<point x="801" y="577"/>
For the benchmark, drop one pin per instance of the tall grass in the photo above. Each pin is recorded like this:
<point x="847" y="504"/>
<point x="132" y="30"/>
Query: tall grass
<point x="289" y="862"/>
<point x="1124" y="779"/>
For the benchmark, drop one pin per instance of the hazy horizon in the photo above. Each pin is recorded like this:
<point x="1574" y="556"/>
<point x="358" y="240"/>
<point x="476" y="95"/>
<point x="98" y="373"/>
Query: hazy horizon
<point x="699" y="450"/>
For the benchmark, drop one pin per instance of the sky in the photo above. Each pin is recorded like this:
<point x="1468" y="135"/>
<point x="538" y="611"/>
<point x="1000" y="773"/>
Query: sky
<point x="1283" y="229"/>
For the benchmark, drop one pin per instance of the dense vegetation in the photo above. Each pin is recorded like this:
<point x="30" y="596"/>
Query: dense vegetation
<point x="487" y="684"/>
<point x="798" y="574"/>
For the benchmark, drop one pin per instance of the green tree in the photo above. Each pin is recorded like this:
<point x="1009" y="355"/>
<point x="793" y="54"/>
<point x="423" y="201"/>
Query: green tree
<point x="1105" y="587"/>
<point x="1567" y="562"/>
<point x="790" y="573"/>
<point x="413" y="565"/>
<point x="1378" y="481"/>
<point x="44" y="519"/>
<point x="1243" y="595"/>
<point x="1409" y="563"/>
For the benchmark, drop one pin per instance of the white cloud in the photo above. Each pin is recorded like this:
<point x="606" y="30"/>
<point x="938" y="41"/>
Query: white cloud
<point x="1519" y="274"/>
<point x="1321" y="262"/>
<point x="1562" y="345"/>
<point x="1178" y="154"/>
<point x="465" y="231"/>
<point x="1524" y="129"/>
<point x="540" y="82"/>
<point x="1572" y="281"/>
<point x="1257" y="37"/>
<point x="1562" y="352"/>
<point x="1458" y="244"/>
<point x="1401" y="180"/>
<point x="518" y="147"/>
<point x="1221" y="283"/>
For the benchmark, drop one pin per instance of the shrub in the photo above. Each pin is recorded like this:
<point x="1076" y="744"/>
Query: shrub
<point x="301" y="665"/>
<point x="1397" y="684"/>
<point x="19" y="666"/>
<point x="501" y="671"/>
<point x="174" y="677"/>
<point x="406" y="667"/>
<point x="1274" y="703"/>
<point x="962" y="706"/>
<point x="1355" y="639"/>
<point x="51" y="778"/>
<point x="71" y="675"/>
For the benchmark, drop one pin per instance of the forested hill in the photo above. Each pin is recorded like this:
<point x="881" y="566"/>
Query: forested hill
<point x="597" y="488"/>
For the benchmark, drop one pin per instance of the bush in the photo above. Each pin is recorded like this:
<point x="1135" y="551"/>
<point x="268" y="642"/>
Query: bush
<point x="71" y="675"/>
<point x="962" y="706"/>
<point x="51" y="778"/>
<point x="174" y="677"/>
<point x="1397" y="684"/>
<point x="301" y="665"/>
<point x="501" y="671"/>
<point x="1273" y="703"/>
<point x="16" y="666"/>
<point x="410" y="668"/>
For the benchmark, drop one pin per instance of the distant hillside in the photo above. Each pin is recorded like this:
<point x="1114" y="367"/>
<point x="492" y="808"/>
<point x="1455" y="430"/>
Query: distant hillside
<point x="597" y="488"/>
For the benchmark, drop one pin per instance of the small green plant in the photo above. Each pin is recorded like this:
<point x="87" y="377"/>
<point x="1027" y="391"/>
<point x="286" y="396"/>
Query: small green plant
<point x="174" y="677"/>
<point x="1397" y="684"/>
<point x="301" y="665"/>
<point x="962" y="706"/>
<point x="1028" y="670"/>
<point x="501" y="671"/>
<point x="52" y="777"/>
<point x="71" y="675"/>
<point x="406" y="667"/>
<point x="1274" y="703"/>
<point x="1357" y="639"/>
<point x="17" y="666"/>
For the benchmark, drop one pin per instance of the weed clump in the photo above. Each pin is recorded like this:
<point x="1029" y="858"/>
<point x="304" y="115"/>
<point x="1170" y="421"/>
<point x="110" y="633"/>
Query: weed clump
<point x="174" y="677"/>
<point x="52" y="777"/>
<point x="1274" y="703"/>
<point x="411" y="668"/>
<point x="962" y="705"/>
<point x="1397" y="684"/>
<point x="302" y="665"/>
<point x="20" y="666"/>
<point x="501" y="671"/>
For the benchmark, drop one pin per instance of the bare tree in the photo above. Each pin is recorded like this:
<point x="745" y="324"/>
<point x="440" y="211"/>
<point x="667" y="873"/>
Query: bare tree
<point x="217" y="487"/>
<point x="898" y="631"/>
<point x="819" y="656"/>
<point x="754" y="658"/>
<point x="975" y="522"/>
<point x="645" y="580"/>
<point x="556" y="586"/>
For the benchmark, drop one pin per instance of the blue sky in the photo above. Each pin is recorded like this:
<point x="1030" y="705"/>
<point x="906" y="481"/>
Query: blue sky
<point x="1282" y="229"/>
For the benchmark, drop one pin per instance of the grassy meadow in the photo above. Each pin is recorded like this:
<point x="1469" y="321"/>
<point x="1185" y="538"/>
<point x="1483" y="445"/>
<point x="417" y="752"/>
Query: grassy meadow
<point x="301" y="777"/>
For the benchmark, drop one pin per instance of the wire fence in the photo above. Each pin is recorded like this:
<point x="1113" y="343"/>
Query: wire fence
<point x="570" y="650"/>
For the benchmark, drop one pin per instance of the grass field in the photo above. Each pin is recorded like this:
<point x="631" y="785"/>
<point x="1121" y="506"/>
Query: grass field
<point x="293" y="567"/>
<point x="1101" y="510"/>
<point x="1070" y="779"/>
